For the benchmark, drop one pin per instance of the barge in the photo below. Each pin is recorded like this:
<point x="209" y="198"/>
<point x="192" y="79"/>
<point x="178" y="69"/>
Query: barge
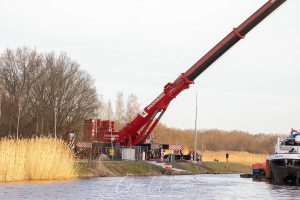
<point x="285" y="162"/>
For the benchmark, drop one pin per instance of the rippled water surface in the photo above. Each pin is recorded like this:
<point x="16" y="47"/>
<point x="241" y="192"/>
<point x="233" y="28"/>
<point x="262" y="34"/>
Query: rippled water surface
<point x="160" y="187"/>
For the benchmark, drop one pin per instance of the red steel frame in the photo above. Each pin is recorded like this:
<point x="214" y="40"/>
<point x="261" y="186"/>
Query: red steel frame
<point x="139" y="129"/>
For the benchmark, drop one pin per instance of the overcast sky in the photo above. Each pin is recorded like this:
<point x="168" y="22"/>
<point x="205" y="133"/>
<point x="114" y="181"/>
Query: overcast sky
<point x="137" y="46"/>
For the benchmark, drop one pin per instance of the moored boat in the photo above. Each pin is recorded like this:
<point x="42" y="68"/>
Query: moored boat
<point x="285" y="162"/>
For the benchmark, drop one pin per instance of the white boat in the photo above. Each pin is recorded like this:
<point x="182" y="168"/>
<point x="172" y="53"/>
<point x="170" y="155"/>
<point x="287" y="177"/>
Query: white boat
<point x="285" y="162"/>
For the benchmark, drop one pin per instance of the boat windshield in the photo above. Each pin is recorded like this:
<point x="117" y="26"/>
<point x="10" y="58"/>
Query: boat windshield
<point x="289" y="142"/>
<point x="293" y="135"/>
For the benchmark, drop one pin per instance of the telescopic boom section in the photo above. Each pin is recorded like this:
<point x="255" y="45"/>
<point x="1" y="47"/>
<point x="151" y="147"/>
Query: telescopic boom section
<point x="141" y="127"/>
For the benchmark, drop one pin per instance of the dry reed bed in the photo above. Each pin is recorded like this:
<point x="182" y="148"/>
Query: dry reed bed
<point x="234" y="157"/>
<point x="35" y="159"/>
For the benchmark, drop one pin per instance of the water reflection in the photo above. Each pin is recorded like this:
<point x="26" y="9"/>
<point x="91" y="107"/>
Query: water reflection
<point x="166" y="187"/>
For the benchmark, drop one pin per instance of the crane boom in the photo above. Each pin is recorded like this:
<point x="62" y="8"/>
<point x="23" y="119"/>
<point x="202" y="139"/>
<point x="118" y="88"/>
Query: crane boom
<point x="138" y="130"/>
<point x="232" y="38"/>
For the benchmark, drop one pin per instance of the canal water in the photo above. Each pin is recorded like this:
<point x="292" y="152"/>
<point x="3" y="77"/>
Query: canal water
<point x="159" y="187"/>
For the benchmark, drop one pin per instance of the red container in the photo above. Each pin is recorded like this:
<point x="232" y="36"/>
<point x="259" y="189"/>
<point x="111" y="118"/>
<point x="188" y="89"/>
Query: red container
<point x="262" y="165"/>
<point x="259" y="168"/>
<point x="256" y="166"/>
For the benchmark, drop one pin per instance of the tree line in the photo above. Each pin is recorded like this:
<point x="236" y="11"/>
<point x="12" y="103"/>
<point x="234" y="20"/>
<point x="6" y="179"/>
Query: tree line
<point x="38" y="90"/>
<point x="217" y="140"/>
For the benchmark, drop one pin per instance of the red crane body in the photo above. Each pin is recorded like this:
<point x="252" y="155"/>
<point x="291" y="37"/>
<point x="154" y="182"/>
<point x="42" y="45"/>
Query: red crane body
<point x="139" y="129"/>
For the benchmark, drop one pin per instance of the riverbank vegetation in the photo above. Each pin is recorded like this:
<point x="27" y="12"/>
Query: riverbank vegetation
<point x="139" y="168"/>
<point x="240" y="157"/>
<point x="213" y="167"/>
<point x="217" y="140"/>
<point x="117" y="168"/>
<point x="35" y="159"/>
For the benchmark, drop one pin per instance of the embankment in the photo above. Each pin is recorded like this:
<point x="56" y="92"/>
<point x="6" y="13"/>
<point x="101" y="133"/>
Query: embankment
<point x="139" y="168"/>
<point x="117" y="168"/>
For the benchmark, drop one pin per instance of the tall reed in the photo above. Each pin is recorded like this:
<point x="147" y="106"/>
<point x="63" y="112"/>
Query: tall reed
<point x="35" y="159"/>
<point x="234" y="157"/>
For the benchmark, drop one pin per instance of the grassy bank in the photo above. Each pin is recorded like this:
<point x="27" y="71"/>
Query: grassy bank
<point x="213" y="167"/>
<point x="117" y="168"/>
<point x="123" y="168"/>
<point x="35" y="159"/>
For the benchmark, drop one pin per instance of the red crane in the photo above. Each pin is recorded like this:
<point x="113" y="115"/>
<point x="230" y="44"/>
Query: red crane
<point x="139" y="129"/>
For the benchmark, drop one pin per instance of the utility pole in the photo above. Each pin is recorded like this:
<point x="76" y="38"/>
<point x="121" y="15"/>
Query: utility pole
<point x="55" y="117"/>
<point x="201" y="134"/>
<point x="195" y="138"/>
<point x="20" y="103"/>
<point x="0" y="104"/>
<point x="112" y="144"/>
<point x="18" y="122"/>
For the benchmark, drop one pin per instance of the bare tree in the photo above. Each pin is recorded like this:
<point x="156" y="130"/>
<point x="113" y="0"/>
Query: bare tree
<point x="70" y="91"/>
<point x="17" y="76"/>
<point x="120" y="109"/>
<point x="109" y="110"/>
<point x="1" y="94"/>
<point x="20" y="102"/>
<point x="101" y="108"/>
<point x="34" y="84"/>
<point x="132" y="107"/>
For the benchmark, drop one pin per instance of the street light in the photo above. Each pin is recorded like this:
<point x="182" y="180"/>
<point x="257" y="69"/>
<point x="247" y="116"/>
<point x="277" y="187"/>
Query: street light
<point x="195" y="139"/>
<point x="55" y="117"/>
<point x="112" y="144"/>
<point x="0" y="111"/>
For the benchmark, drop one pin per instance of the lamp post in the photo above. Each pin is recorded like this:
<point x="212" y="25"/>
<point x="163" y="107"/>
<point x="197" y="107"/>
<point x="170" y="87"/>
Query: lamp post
<point x="112" y="144"/>
<point x="201" y="135"/>
<point x="0" y="103"/>
<point x="55" y="118"/>
<point x="195" y="138"/>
